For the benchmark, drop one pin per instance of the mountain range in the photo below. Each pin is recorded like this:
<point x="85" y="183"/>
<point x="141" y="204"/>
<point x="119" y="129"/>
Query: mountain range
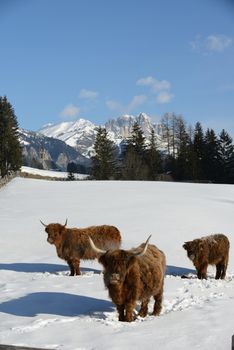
<point x="54" y="146"/>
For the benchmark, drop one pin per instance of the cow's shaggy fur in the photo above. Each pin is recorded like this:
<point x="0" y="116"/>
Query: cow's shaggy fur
<point x="72" y="244"/>
<point x="207" y="250"/>
<point x="130" y="278"/>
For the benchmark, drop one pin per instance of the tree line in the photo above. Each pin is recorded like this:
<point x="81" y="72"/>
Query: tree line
<point x="182" y="153"/>
<point x="10" y="149"/>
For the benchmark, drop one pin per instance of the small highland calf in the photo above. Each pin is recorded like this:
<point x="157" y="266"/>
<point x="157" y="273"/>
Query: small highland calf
<point x="132" y="275"/>
<point x="72" y="244"/>
<point x="212" y="250"/>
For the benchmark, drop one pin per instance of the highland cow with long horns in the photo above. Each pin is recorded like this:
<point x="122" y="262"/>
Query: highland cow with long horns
<point x="133" y="275"/>
<point x="72" y="244"/>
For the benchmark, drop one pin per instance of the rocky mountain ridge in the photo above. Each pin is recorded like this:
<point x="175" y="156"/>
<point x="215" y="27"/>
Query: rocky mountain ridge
<point x="54" y="146"/>
<point x="81" y="134"/>
<point x="44" y="152"/>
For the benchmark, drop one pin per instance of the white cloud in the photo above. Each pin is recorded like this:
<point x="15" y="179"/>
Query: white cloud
<point x="88" y="94"/>
<point x="135" y="102"/>
<point x="211" y="43"/>
<point x="159" y="88"/>
<point x="156" y="85"/>
<point x="70" y="111"/>
<point x="218" y="43"/>
<point x="120" y="108"/>
<point x="164" y="97"/>
<point x="148" y="81"/>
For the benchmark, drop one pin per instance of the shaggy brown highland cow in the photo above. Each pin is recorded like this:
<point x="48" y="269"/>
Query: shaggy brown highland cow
<point x="132" y="275"/>
<point x="212" y="250"/>
<point x="72" y="244"/>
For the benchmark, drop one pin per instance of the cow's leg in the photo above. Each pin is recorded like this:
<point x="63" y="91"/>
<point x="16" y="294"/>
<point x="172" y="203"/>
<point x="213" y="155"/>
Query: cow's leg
<point x="144" y="308"/>
<point x="129" y="310"/>
<point x="120" y="309"/>
<point x="158" y="303"/>
<point x="218" y="271"/>
<point x="224" y="268"/>
<point x="223" y="272"/>
<point x="202" y="271"/>
<point x="76" y="264"/>
<point x="72" y="270"/>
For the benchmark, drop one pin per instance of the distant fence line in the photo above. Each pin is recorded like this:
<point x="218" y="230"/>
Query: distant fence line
<point x="4" y="180"/>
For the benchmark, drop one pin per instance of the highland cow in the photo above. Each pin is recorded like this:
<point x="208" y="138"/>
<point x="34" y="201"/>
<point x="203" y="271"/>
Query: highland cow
<point x="72" y="244"/>
<point x="133" y="275"/>
<point x="213" y="250"/>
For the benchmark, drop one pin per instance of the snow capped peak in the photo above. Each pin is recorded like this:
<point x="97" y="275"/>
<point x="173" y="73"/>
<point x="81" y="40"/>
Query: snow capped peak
<point x="47" y="125"/>
<point x="81" y="133"/>
<point x="131" y="119"/>
<point x="144" y="117"/>
<point x="83" y="123"/>
<point x="125" y="117"/>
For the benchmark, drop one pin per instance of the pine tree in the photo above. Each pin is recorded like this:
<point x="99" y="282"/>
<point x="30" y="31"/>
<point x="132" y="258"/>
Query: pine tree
<point x="72" y="167"/>
<point x="183" y="163"/>
<point x="103" y="163"/>
<point x="180" y="133"/>
<point x="198" y="153"/>
<point x="10" y="150"/>
<point x="226" y="151"/>
<point x="70" y="176"/>
<point x="212" y="164"/>
<point x="134" y="163"/>
<point x="153" y="158"/>
<point x="137" y="139"/>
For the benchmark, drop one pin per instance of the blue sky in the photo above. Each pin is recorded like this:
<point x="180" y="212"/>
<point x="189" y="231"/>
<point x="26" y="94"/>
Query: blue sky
<point x="63" y="60"/>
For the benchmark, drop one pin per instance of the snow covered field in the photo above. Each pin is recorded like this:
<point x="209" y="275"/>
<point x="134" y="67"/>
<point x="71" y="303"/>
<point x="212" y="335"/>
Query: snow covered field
<point x="50" y="173"/>
<point x="41" y="306"/>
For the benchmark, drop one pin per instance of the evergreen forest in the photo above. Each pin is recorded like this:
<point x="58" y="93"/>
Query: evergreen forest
<point x="10" y="149"/>
<point x="188" y="154"/>
<point x="176" y="153"/>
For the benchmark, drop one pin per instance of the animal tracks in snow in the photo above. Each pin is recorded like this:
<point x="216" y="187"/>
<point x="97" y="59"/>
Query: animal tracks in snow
<point x="179" y="295"/>
<point x="41" y="323"/>
<point x="192" y="293"/>
<point x="195" y="293"/>
<point x="188" y="293"/>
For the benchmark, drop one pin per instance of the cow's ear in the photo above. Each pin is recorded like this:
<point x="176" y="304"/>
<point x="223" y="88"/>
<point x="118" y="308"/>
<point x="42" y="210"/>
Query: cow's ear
<point x="185" y="245"/>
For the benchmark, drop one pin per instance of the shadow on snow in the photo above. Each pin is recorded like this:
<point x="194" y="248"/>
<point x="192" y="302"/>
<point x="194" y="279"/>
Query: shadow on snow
<point x="40" y="267"/>
<point x="55" y="268"/>
<point x="62" y="304"/>
<point x="178" y="271"/>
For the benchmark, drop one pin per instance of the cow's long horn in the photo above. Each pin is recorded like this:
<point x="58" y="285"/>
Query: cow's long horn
<point x="65" y="223"/>
<point x="145" y="248"/>
<point x="96" y="249"/>
<point x="43" y="223"/>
